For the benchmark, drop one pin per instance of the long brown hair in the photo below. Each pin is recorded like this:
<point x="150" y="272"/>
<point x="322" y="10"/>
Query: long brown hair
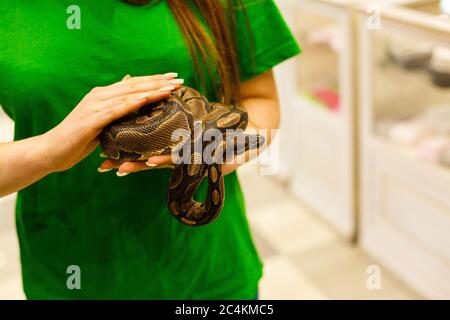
<point x="218" y="52"/>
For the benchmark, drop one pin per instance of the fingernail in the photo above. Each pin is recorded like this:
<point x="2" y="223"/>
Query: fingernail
<point x="101" y="170"/>
<point x="151" y="165"/>
<point x="122" y="174"/>
<point x="126" y="77"/>
<point x="103" y="155"/>
<point x="176" y="81"/>
<point x="167" y="89"/>
<point x="171" y="75"/>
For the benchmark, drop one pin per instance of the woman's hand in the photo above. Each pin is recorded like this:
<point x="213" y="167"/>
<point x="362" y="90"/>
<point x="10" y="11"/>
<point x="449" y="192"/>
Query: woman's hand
<point x="259" y="98"/>
<point x="125" y="168"/>
<point x="26" y="161"/>
<point x="77" y="135"/>
<point x="156" y="162"/>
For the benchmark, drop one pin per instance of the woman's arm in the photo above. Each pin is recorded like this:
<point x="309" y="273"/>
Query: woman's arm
<point x="26" y="161"/>
<point x="259" y="98"/>
<point x="21" y="164"/>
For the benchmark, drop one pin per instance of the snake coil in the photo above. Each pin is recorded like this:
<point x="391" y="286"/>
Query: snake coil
<point x="148" y="132"/>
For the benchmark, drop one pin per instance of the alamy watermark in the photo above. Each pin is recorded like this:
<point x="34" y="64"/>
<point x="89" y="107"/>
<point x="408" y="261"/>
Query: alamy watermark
<point x="74" y="279"/>
<point x="373" y="281"/>
<point x="373" y="21"/>
<point x="73" y="21"/>
<point x="235" y="146"/>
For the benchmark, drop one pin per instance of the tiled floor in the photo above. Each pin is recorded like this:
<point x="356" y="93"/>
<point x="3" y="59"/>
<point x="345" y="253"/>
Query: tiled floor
<point x="304" y="258"/>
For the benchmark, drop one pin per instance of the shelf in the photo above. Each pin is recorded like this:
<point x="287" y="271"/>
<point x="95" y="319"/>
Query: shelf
<point x="428" y="7"/>
<point x="317" y="109"/>
<point x="398" y="90"/>
<point x="408" y="155"/>
<point x="414" y="95"/>
<point x="406" y="216"/>
<point x="322" y="35"/>
<point x="323" y="175"/>
<point x="404" y="199"/>
<point x="420" y="15"/>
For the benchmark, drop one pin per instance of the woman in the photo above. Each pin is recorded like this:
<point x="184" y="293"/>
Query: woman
<point x="63" y="85"/>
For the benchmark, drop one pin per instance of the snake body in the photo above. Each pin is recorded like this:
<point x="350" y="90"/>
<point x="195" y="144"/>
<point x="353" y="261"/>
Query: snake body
<point x="148" y="132"/>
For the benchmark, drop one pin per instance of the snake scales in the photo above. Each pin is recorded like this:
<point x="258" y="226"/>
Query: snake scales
<point x="148" y="132"/>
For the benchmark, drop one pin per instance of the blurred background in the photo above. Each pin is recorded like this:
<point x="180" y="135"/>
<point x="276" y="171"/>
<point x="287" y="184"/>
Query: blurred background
<point x="356" y="204"/>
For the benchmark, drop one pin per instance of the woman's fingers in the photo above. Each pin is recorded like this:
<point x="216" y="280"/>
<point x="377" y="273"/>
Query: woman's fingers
<point x="167" y="76"/>
<point x="117" y="100"/>
<point x="136" y="87"/>
<point x="159" y="161"/>
<point x="131" y="167"/>
<point x="131" y="85"/>
<point x="141" y="95"/>
<point x="108" y="165"/>
<point x="108" y="112"/>
<point x="125" y="168"/>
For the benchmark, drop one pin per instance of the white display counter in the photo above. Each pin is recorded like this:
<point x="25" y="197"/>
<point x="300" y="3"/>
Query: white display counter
<point x="405" y="198"/>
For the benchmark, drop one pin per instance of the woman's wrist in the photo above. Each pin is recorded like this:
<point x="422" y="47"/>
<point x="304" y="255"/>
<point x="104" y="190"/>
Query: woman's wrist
<point x="22" y="163"/>
<point x="40" y="153"/>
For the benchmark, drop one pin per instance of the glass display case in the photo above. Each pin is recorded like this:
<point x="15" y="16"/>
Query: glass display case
<point x="318" y="93"/>
<point x="405" y="142"/>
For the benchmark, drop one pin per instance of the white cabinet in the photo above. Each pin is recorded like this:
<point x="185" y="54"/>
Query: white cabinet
<point x="318" y="110"/>
<point x="405" y="190"/>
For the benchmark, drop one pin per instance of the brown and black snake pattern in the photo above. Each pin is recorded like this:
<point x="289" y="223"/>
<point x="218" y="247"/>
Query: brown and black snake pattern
<point x="148" y="132"/>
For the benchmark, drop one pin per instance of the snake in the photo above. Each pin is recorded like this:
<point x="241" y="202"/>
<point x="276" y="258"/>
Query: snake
<point x="149" y="132"/>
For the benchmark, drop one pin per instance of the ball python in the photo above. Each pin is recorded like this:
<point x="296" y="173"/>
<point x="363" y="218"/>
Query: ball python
<point x="148" y="132"/>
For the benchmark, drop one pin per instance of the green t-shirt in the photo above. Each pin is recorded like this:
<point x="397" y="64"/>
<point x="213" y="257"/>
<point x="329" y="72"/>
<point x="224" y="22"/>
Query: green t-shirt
<point x="118" y="231"/>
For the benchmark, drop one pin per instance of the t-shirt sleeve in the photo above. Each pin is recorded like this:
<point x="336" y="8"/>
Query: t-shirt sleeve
<point x="263" y="37"/>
